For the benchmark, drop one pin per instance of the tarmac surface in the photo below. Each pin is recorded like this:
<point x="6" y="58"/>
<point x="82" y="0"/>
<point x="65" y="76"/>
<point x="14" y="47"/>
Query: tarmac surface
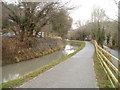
<point x="76" y="72"/>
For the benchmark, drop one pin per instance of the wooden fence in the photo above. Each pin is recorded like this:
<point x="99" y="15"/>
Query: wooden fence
<point x="105" y="58"/>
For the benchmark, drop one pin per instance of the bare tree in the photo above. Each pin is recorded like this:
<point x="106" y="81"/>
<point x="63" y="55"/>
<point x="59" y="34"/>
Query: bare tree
<point x="61" y="22"/>
<point x="29" y="18"/>
<point x="98" y="17"/>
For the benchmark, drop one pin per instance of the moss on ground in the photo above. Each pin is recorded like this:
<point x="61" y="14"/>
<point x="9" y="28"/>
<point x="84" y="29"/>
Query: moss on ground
<point x="31" y="75"/>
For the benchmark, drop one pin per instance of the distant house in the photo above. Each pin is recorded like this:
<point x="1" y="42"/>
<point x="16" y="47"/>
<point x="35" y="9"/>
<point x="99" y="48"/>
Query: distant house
<point x="45" y="31"/>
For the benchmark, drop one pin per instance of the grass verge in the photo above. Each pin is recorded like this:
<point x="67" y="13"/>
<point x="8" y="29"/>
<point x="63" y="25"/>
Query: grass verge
<point x="31" y="75"/>
<point x="102" y="79"/>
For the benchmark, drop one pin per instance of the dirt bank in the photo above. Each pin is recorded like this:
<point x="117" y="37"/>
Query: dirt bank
<point x="14" y="51"/>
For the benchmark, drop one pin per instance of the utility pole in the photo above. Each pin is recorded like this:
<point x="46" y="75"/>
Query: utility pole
<point x="119" y="40"/>
<point x="119" y="24"/>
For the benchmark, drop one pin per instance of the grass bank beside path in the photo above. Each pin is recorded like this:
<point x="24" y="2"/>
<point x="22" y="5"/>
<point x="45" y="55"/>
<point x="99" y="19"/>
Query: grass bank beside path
<point x="31" y="75"/>
<point x="102" y="79"/>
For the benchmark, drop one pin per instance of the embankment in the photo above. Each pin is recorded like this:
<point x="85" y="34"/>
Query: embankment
<point x="14" y="51"/>
<point x="19" y="81"/>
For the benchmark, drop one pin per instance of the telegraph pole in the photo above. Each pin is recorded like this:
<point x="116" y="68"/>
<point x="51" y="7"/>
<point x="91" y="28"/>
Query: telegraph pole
<point x="119" y="40"/>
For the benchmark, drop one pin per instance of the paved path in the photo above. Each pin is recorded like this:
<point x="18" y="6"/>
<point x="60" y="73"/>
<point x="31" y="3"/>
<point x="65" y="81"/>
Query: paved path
<point x="77" y="72"/>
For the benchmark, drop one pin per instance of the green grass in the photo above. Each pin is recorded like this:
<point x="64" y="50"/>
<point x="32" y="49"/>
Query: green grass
<point x="31" y="75"/>
<point x="102" y="79"/>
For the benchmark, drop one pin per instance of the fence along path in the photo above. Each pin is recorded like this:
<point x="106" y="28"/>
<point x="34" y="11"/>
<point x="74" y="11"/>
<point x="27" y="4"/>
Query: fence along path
<point x="111" y="70"/>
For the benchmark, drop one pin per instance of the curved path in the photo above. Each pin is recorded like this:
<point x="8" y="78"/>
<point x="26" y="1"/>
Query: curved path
<point x="76" y="72"/>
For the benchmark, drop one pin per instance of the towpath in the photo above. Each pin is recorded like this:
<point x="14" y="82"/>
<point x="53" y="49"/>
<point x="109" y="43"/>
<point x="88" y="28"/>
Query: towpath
<point x="76" y="72"/>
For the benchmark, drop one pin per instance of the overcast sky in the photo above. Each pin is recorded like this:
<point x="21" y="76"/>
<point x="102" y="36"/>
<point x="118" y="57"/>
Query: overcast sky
<point x="83" y="13"/>
<point x="85" y="7"/>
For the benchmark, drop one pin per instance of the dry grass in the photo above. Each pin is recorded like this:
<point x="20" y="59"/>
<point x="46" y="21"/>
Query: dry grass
<point x="102" y="79"/>
<point x="14" y="51"/>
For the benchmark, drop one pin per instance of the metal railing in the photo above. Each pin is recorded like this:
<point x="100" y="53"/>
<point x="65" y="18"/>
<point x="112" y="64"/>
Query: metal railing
<point x="110" y="69"/>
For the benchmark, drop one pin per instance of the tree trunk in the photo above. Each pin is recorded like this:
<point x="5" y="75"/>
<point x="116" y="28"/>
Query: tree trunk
<point x="22" y="36"/>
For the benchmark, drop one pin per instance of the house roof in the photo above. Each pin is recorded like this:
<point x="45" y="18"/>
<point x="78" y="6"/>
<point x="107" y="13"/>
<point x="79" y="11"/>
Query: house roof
<point x="46" y="28"/>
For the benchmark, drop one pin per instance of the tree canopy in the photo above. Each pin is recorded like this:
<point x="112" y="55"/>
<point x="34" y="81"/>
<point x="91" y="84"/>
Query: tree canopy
<point x="28" y="18"/>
